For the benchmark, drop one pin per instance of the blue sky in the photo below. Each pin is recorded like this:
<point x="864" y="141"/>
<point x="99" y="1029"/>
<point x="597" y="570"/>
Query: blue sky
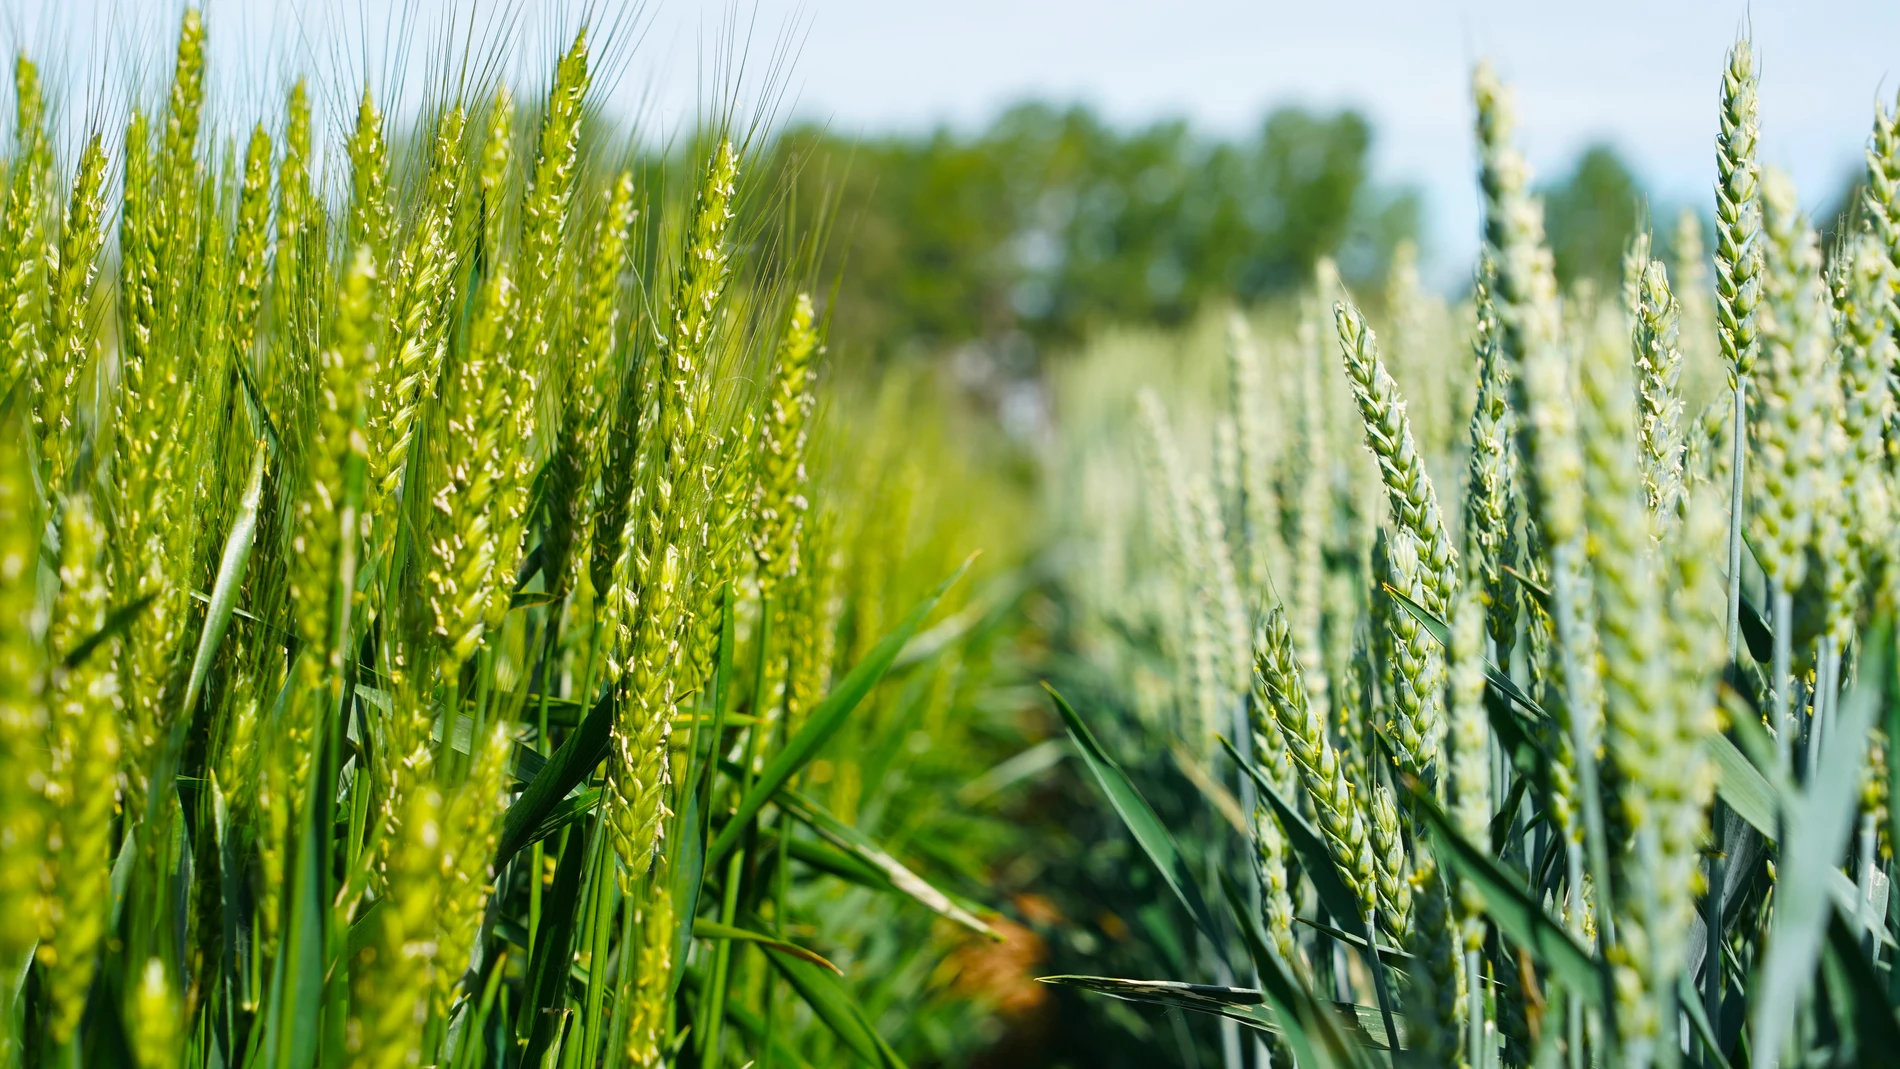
<point x="1641" y="75"/>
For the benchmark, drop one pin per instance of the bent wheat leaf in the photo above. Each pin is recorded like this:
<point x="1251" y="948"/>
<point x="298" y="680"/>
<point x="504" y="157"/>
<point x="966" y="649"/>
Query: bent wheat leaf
<point x="1311" y="1029"/>
<point x="833" y="1005"/>
<point x="710" y="929"/>
<point x="224" y="590"/>
<point x="1515" y="914"/>
<point x="1140" y="819"/>
<point x="1242" y="1004"/>
<point x="1824" y="813"/>
<point x="825" y="720"/>
<point x="859" y="846"/>
<point x="583" y="750"/>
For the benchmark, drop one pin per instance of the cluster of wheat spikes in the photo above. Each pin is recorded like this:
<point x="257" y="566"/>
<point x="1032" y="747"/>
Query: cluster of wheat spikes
<point x="1567" y="685"/>
<point x="415" y="611"/>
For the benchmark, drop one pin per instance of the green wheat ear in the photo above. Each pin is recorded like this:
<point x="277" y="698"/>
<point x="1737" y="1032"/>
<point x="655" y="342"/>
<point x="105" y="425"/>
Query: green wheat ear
<point x="81" y="780"/>
<point x="647" y="599"/>
<point x="369" y="221"/>
<point x="154" y="1014"/>
<point x="1490" y="506"/>
<point x="585" y="415"/>
<point x="22" y="244"/>
<point x="778" y="500"/>
<point x="481" y="504"/>
<point x="1738" y="215"/>
<point x="424" y="280"/>
<point x="69" y="343"/>
<point x="23" y="720"/>
<point x="1654" y="339"/>
<point x="1864" y="318"/>
<point x="470" y="825"/>
<point x="544" y="211"/>
<point x="1279" y="688"/>
<point x="1389" y="436"/>
<point x="393" y="974"/>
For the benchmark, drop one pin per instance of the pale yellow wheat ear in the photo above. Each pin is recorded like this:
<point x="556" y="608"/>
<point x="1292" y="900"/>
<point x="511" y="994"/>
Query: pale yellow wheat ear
<point x="1864" y="317"/>
<point x="1655" y="341"/>
<point x="1259" y="505"/>
<point x="1543" y="388"/>
<point x="1469" y="737"/>
<point x="1786" y="431"/>
<point x="1636" y="673"/>
<point x="154" y="1019"/>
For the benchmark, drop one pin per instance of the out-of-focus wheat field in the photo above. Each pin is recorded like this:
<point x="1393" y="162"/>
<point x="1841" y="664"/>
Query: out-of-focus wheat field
<point x="709" y="536"/>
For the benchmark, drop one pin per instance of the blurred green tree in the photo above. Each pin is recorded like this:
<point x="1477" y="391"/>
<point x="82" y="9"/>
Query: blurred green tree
<point x="1050" y="221"/>
<point x="1590" y="215"/>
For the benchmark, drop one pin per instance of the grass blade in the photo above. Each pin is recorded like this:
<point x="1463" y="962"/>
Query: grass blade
<point x="578" y="755"/>
<point x="1310" y="1028"/>
<point x="1824" y="813"/>
<point x="708" y="929"/>
<point x="834" y="1006"/>
<point x="1516" y="914"/>
<point x="825" y="720"/>
<point x="1242" y="1004"/>
<point x="224" y="590"/>
<point x="860" y="847"/>
<point x="1150" y="834"/>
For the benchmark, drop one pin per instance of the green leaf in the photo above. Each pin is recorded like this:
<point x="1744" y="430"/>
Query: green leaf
<point x="1391" y="955"/>
<point x="834" y="1006"/>
<point x="540" y="1019"/>
<point x="1743" y="787"/>
<point x="860" y="847"/>
<point x="688" y="875"/>
<point x="1311" y="1029"/>
<point x="578" y="755"/>
<point x="1860" y="997"/>
<point x="224" y="590"/>
<point x="1824" y="813"/>
<point x="116" y="623"/>
<point x="1756" y="633"/>
<point x="1538" y="592"/>
<point x="1139" y="817"/>
<point x="1031" y="762"/>
<point x="1218" y="796"/>
<point x="748" y="1023"/>
<point x="1691" y="1002"/>
<point x="1516" y="915"/>
<point x="1243" y="1004"/>
<point x="824" y="721"/>
<point x="709" y="929"/>
<point x="1741" y="783"/>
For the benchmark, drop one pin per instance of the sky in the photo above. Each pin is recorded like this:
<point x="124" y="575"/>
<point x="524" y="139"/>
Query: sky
<point x="1642" y="76"/>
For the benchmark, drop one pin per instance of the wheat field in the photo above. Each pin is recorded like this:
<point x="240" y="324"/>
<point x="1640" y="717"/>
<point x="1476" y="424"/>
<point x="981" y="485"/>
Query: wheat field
<point x="457" y="613"/>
